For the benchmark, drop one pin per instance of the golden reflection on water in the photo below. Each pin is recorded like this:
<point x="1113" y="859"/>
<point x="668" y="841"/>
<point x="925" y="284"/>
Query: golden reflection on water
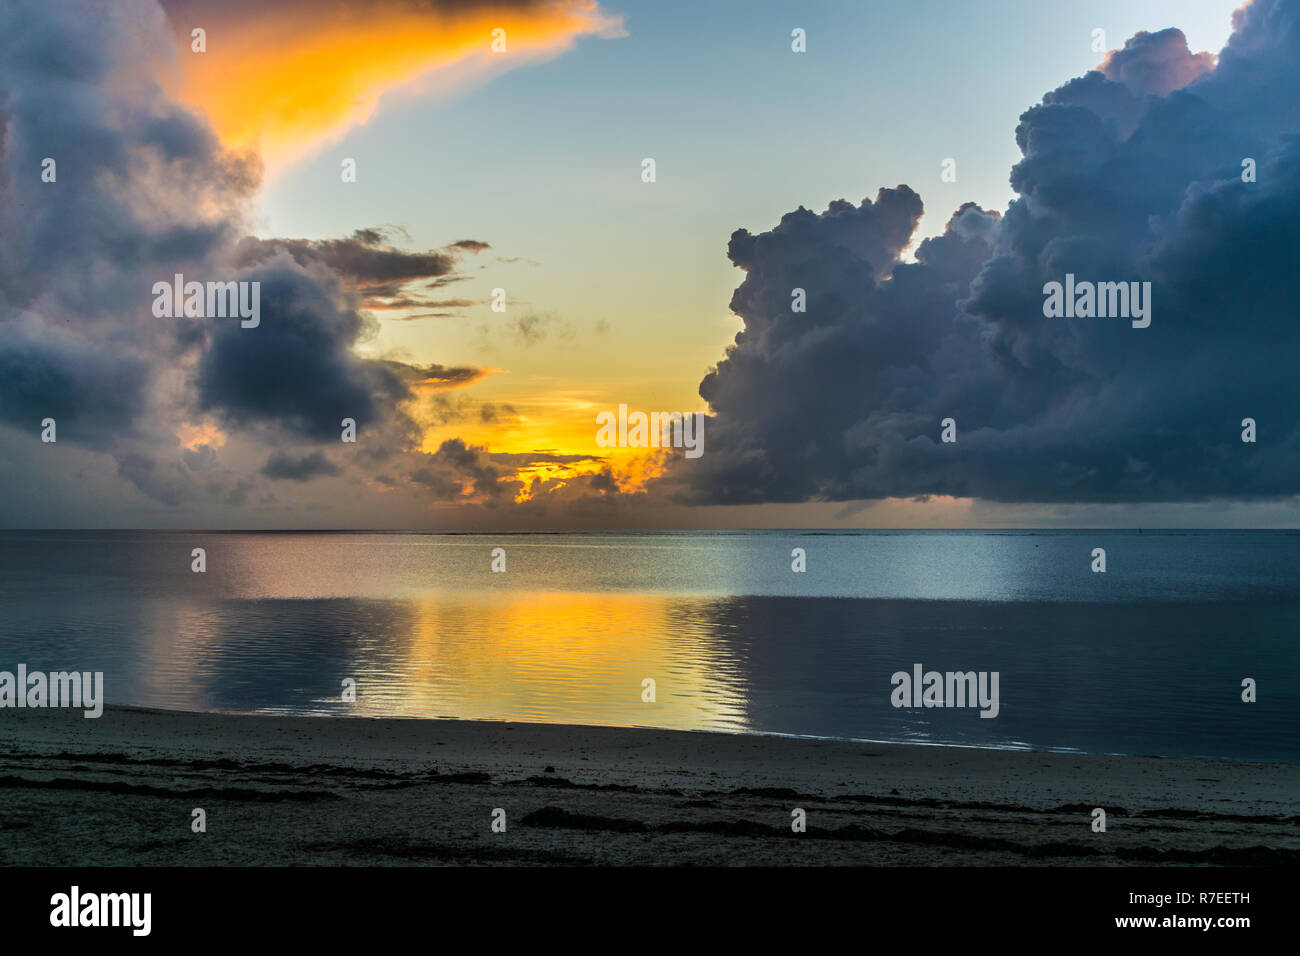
<point x="558" y="657"/>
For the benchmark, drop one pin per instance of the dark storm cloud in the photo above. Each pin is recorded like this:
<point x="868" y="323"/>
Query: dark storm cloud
<point x="134" y="178"/>
<point x="800" y="395"/>
<point x="296" y="368"/>
<point x="289" y="467"/>
<point x="1131" y="174"/>
<point x="92" y="396"/>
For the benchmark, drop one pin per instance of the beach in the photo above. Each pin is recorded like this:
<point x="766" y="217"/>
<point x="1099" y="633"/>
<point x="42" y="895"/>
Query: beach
<point x="294" y="790"/>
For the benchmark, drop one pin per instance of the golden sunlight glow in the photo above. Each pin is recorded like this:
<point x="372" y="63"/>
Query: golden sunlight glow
<point x="560" y="423"/>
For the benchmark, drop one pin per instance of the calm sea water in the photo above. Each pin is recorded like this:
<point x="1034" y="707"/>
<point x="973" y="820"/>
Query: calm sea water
<point x="1147" y="658"/>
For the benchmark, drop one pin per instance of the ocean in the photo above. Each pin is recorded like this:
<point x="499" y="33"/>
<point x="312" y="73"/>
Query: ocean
<point x="1147" y="658"/>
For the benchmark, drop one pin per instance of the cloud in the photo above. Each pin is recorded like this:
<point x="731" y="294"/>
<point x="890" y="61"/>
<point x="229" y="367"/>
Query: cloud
<point x="1157" y="63"/>
<point x="284" y="78"/>
<point x="379" y="270"/>
<point x="91" y="395"/>
<point x="306" y="326"/>
<point x="527" y="330"/>
<point x="200" y="415"/>
<point x="1133" y="173"/>
<point x="439" y="377"/>
<point x="141" y="189"/>
<point x="145" y="190"/>
<point x="457" y="471"/>
<point x="406" y="303"/>
<point x="165" y="481"/>
<point x="364" y="257"/>
<point x="470" y="245"/>
<point x="497" y="412"/>
<point x="445" y="410"/>
<point x="288" y="467"/>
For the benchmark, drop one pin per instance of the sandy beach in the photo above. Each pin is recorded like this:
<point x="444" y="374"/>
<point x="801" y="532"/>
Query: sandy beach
<point x="120" y="790"/>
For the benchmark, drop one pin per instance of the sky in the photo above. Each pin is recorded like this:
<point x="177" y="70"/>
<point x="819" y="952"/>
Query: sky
<point x="521" y="169"/>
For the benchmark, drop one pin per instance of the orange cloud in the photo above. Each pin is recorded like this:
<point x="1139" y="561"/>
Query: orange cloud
<point x="284" y="78"/>
<point x="640" y="469"/>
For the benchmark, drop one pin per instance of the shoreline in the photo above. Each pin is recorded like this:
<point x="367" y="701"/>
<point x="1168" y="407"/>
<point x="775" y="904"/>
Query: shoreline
<point x="779" y="735"/>
<point x="291" y="790"/>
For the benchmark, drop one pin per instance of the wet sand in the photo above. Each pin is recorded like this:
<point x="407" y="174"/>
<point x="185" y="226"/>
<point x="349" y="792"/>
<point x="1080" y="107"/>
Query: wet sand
<point x="120" y="790"/>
